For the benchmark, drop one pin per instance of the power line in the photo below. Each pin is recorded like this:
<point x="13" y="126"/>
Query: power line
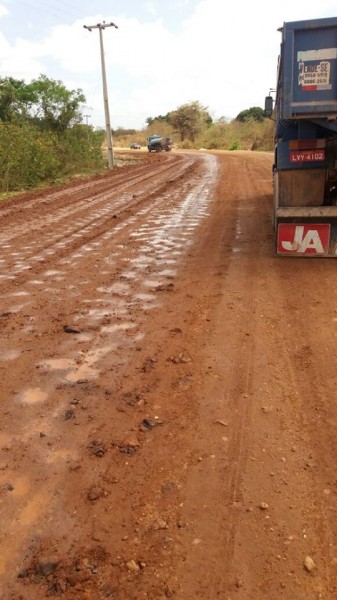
<point x="55" y="11"/>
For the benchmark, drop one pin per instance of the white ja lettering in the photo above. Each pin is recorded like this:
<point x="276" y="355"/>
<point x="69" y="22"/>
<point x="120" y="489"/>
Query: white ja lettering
<point x="301" y="244"/>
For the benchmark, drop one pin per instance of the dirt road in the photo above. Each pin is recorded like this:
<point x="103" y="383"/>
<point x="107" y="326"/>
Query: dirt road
<point x="168" y="391"/>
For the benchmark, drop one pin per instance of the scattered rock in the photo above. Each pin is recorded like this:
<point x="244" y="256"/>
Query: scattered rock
<point x="159" y="524"/>
<point x="79" y="577"/>
<point x="94" y="493"/>
<point x="70" y="329"/>
<point x="129" y="446"/>
<point x="176" y="330"/>
<point x="263" y="506"/>
<point x="147" y="424"/>
<point x="223" y="423"/>
<point x="169" y="592"/>
<point x="309" y="564"/>
<point x="74" y="466"/>
<point x="180" y="359"/>
<point x="132" y="398"/>
<point x="23" y="572"/>
<point x="69" y="414"/>
<point x="149" y="364"/>
<point x="181" y="524"/>
<point x="61" y="586"/>
<point x="9" y="487"/>
<point x="168" y="487"/>
<point x="165" y="287"/>
<point x="81" y="563"/>
<point x="97" y="448"/>
<point x="46" y="565"/>
<point x="133" y="566"/>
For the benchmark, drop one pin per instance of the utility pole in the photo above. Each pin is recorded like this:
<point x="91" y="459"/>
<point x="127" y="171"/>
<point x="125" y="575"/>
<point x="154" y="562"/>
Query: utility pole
<point x="100" y="27"/>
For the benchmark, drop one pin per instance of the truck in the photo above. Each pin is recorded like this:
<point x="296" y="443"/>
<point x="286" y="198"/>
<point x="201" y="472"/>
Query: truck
<point x="155" y="143"/>
<point x="305" y="140"/>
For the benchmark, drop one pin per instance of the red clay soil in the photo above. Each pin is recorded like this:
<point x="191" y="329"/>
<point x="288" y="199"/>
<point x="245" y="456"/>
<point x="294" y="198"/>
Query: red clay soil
<point x="168" y="391"/>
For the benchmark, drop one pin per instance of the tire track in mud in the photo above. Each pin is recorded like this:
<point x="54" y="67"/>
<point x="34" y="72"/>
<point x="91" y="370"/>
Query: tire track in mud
<point x="225" y="405"/>
<point x="69" y="202"/>
<point x="80" y="230"/>
<point x="160" y="234"/>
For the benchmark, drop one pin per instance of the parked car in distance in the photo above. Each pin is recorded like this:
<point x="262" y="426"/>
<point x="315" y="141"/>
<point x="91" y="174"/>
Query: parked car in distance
<point x="135" y="146"/>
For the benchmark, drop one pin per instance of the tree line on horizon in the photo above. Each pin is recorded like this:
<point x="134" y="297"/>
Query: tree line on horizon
<point x="192" y="126"/>
<point x="43" y="137"/>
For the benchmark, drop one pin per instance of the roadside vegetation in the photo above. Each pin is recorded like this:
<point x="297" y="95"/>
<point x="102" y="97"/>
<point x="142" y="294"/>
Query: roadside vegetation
<point x="43" y="138"/>
<point x="192" y="127"/>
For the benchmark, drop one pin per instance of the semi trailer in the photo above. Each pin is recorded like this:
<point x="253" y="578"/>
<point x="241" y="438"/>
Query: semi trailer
<point x="305" y="156"/>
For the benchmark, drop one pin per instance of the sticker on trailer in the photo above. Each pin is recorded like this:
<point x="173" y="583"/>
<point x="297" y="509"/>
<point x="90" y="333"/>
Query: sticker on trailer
<point x="315" y="69"/>
<point x="307" y="155"/>
<point x="309" y="238"/>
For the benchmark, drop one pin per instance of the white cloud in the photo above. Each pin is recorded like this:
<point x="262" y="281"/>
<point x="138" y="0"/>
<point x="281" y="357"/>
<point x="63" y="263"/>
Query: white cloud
<point x="223" y="55"/>
<point x="3" y="10"/>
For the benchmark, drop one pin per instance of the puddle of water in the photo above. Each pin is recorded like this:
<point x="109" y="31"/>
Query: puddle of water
<point x="58" y="364"/>
<point x="129" y="275"/>
<point x="18" y="307"/>
<point x="117" y="288"/>
<point x="167" y="273"/>
<point x="118" y="327"/>
<point x="56" y="455"/>
<point x="144" y="297"/>
<point x="52" y="272"/>
<point x="84" y="337"/>
<point x="21" y="267"/>
<point x="33" y="396"/>
<point x="141" y="261"/>
<point x="152" y="283"/>
<point x="22" y="293"/>
<point x="10" y="354"/>
<point x="83" y="372"/>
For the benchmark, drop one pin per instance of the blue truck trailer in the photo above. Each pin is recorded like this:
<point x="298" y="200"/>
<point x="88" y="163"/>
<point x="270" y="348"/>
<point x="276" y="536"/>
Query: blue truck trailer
<point x="305" y="164"/>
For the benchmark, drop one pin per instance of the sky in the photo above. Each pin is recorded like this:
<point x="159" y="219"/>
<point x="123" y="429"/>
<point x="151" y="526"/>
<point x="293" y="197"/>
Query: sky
<point x="165" y="53"/>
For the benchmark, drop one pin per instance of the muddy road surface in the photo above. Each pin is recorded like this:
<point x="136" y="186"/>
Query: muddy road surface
<point x="168" y="391"/>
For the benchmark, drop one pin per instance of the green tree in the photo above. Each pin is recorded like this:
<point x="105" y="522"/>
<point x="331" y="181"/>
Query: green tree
<point x="159" y="119"/>
<point x="190" y="120"/>
<point x="255" y="112"/>
<point x="14" y="100"/>
<point x="54" y="107"/>
<point x="44" y="102"/>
